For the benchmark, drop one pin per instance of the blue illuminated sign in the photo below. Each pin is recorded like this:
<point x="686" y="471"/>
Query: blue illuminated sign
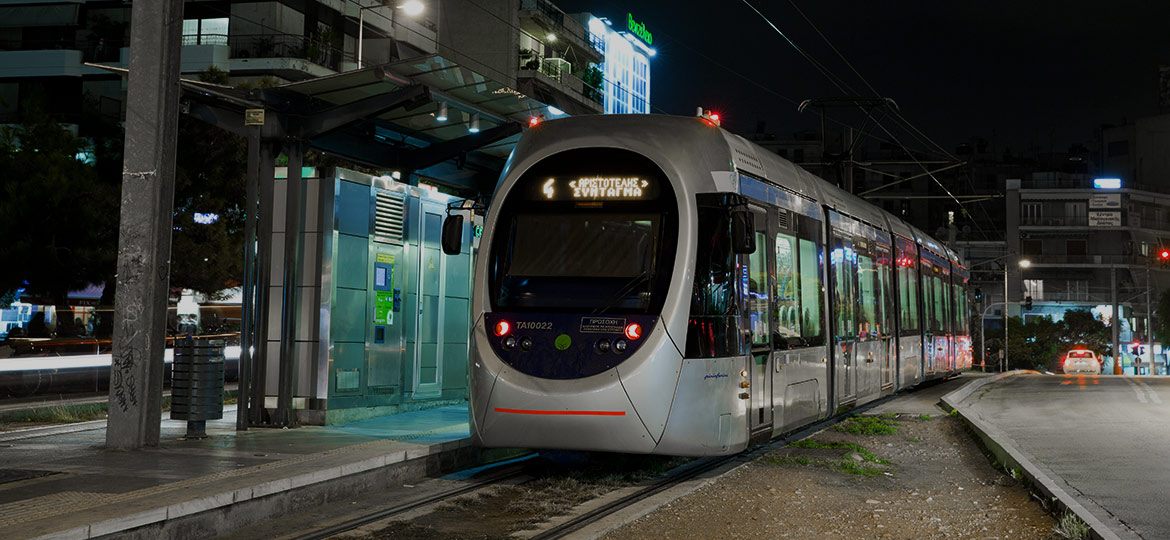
<point x="1107" y="183"/>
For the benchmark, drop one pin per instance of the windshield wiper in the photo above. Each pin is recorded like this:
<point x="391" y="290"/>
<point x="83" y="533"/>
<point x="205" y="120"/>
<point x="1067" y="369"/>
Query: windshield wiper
<point x="625" y="289"/>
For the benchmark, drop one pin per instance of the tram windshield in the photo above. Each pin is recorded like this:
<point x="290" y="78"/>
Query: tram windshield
<point x="589" y="231"/>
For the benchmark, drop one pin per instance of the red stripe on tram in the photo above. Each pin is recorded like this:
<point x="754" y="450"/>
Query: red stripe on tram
<point x="562" y="413"/>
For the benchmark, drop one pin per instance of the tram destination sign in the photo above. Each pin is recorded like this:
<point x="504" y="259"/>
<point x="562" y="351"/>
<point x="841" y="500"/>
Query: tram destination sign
<point x="596" y="188"/>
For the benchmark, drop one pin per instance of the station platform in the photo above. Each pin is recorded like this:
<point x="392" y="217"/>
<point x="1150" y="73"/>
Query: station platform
<point x="60" y="481"/>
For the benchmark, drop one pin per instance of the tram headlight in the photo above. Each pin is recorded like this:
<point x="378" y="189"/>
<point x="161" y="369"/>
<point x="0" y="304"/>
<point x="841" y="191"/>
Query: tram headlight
<point x="509" y="343"/>
<point x="633" y="330"/>
<point x="502" y="328"/>
<point x="525" y="343"/>
<point x="620" y="345"/>
<point x="603" y="345"/>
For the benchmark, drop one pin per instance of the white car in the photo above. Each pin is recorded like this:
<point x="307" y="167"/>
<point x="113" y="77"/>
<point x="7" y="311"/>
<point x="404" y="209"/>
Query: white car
<point x="1081" y="361"/>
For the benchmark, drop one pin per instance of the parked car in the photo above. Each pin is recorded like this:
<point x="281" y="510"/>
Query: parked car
<point x="1081" y="361"/>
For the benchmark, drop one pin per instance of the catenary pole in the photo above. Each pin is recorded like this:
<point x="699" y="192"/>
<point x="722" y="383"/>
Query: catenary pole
<point x="144" y="231"/>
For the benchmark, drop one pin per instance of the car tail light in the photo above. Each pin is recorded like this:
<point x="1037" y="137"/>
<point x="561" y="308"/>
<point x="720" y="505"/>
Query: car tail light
<point x="633" y="330"/>
<point x="502" y="328"/>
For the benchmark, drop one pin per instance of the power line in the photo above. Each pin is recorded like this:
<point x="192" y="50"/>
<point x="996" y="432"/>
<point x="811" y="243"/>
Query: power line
<point x="844" y="87"/>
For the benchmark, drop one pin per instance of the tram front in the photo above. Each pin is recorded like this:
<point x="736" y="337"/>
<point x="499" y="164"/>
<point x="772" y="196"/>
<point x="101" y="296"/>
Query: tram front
<point x="570" y="351"/>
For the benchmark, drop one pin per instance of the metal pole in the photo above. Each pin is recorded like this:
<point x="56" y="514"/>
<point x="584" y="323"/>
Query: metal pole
<point x="144" y="232"/>
<point x="259" y="390"/>
<point x="361" y="33"/>
<point x="1149" y="329"/>
<point x="248" y="309"/>
<point x="288" y="305"/>
<point x="1004" y="362"/>
<point x="1115" y="323"/>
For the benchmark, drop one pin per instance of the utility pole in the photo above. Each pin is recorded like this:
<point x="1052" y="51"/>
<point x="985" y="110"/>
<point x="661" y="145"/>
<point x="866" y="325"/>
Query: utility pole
<point x="1149" y="329"/>
<point x="144" y="232"/>
<point x="1115" y="323"/>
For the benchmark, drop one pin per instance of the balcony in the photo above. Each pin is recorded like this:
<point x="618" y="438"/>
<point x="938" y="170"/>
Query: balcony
<point x="1086" y="260"/>
<point x="287" y="56"/>
<point x="1054" y="221"/>
<point x="553" y="81"/>
<point x="541" y="17"/>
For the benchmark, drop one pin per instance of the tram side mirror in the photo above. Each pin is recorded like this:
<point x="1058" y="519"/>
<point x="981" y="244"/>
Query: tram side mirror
<point x="743" y="232"/>
<point x="453" y="234"/>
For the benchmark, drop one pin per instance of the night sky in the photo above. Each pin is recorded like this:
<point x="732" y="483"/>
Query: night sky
<point x="1019" y="73"/>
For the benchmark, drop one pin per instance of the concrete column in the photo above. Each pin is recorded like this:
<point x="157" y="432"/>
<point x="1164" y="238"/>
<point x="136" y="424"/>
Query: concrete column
<point x="144" y="232"/>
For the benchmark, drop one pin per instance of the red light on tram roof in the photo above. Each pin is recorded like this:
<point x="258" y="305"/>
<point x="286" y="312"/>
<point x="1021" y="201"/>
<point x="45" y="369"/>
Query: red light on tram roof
<point x="1164" y="254"/>
<point x="502" y="328"/>
<point x="714" y="117"/>
<point x="633" y="330"/>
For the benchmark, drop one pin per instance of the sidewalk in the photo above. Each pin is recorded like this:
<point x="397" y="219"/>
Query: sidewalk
<point x="60" y="482"/>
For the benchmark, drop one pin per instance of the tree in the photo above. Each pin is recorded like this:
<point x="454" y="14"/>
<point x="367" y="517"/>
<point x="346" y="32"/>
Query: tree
<point x="207" y="243"/>
<point x="58" y="216"/>
<point x="1041" y="343"/>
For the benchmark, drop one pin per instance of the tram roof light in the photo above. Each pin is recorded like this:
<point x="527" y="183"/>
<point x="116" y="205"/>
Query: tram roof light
<point x="1024" y="263"/>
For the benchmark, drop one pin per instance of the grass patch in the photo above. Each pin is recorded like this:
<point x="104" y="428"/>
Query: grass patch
<point x="924" y="417"/>
<point x="867" y="425"/>
<point x="62" y="414"/>
<point x="848" y="466"/>
<point x="914" y="439"/>
<point x="786" y="461"/>
<point x="1070" y="526"/>
<point x="860" y="450"/>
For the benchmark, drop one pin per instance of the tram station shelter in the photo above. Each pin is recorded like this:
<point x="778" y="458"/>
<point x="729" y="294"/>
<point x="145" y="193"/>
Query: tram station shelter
<point x="359" y="314"/>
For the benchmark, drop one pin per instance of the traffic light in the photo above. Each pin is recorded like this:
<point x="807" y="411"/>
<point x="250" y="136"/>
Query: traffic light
<point x="978" y="295"/>
<point x="1028" y="302"/>
<point x="1164" y="256"/>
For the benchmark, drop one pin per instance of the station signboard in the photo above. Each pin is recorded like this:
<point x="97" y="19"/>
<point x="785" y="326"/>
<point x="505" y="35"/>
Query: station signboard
<point x="1105" y="201"/>
<point x="1104" y="219"/>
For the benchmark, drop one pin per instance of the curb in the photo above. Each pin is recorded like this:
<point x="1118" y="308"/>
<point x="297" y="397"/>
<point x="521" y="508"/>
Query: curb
<point x="1042" y="479"/>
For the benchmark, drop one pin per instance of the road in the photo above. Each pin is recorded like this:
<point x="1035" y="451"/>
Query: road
<point x="1107" y="437"/>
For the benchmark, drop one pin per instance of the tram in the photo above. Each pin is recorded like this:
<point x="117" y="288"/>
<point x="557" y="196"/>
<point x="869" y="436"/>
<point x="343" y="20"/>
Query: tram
<point x="656" y="284"/>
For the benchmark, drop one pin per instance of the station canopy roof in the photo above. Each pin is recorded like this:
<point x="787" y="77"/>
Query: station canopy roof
<point x="355" y="115"/>
<point x="462" y="89"/>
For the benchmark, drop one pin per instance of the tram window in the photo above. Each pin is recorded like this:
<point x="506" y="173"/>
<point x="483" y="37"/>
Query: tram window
<point x="885" y="284"/>
<point x="843" y="259"/>
<point x="907" y="289"/>
<point x="757" y="290"/>
<point x="812" y="298"/>
<point x="868" y="295"/>
<point x="940" y="302"/>
<point x="787" y="294"/>
<point x="712" y="329"/>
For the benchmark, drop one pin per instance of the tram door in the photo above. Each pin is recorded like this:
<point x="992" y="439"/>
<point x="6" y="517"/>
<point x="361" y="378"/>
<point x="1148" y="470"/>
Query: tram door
<point x="889" y="347"/>
<point x="758" y="279"/>
<point x="844" y="294"/>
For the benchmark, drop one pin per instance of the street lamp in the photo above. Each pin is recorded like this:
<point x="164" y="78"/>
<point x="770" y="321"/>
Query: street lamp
<point x="412" y="8"/>
<point x="1024" y="263"/>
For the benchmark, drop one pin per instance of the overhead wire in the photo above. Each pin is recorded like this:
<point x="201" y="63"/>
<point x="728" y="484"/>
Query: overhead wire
<point x="922" y="137"/>
<point x="846" y="88"/>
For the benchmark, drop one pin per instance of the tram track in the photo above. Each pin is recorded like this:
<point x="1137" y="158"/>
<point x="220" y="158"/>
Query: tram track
<point x="516" y="470"/>
<point x="697" y="468"/>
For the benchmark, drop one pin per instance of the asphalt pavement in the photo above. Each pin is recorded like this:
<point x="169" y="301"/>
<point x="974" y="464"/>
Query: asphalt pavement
<point x="1105" y="439"/>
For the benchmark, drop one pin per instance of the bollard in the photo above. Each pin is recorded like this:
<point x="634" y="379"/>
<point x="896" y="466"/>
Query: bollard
<point x="197" y="384"/>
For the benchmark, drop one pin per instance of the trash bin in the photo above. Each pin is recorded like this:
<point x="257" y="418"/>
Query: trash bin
<point x="197" y="383"/>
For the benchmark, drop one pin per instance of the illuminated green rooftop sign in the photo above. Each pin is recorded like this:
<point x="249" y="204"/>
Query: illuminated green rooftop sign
<point x="639" y="29"/>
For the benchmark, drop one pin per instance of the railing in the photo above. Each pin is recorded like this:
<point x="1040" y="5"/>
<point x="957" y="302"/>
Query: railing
<point x="559" y="70"/>
<point x="1086" y="183"/>
<point x="1055" y="221"/>
<point x="1119" y="260"/>
<point x="287" y="46"/>
<point x="205" y="39"/>
<point x="92" y="50"/>
<point x="557" y="17"/>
